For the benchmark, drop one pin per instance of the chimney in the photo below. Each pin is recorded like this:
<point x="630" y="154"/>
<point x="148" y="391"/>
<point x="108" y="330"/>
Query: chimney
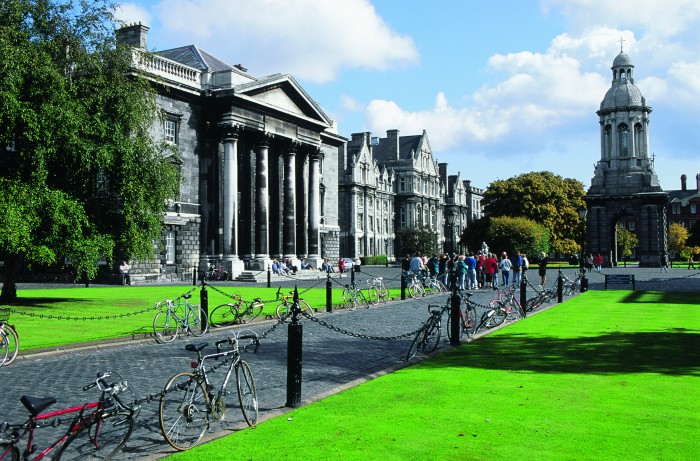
<point x="134" y="35"/>
<point x="684" y="178"/>
<point x="442" y="170"/>
<point x="392" y="138"/>
<point x="697" y="181"/>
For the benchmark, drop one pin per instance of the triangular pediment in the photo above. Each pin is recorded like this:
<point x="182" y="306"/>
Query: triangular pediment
<point x="283" y="93"/>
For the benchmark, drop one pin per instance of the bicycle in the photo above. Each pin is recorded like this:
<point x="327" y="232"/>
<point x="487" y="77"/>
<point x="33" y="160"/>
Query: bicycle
<point x="377" y="291"/>
<point x="432" y="284"/>
<point x="179" y="315"/>
<point x="9" y="341"/>
<point x="415" y="288"/>
<point x="467" y="323"/>
<point x="285" y="309"/>
<point x="428" y="336"/>
<point x="216" y="274"/>
<point x="542" y="297"/>
<point x="230" y="313"/>
<point x="353" y="296"/>
<point x="99" y="434"/>
<point x="500" y="309"/>
<point x="188" y="403"/>
<point x="572" y="286"/>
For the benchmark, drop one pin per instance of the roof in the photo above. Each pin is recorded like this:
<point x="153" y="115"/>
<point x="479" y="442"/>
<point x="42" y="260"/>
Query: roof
<point x="192" y="56"/>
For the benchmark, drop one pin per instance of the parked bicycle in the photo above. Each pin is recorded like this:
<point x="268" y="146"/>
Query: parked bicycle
<point x="238" y="312"/>
<point x="432" y="284"/>
<point x="189" y="403"/>
<point x="428" y="337"/>
<point x="179" y="315"/>
<point x="571" y="287"/>
<point x="467" y="315"/>
<point x="284" y="310"/>
<point x="415" y="286"/>
<point x="9" y="341"/>
<point x="97" y="431"/>
<point x="377" y="291"/>
<point x="540" y="298"/>
<point x="215" y="274"/>
<point x="353" y="296"/>
<point x="500" y="309"/>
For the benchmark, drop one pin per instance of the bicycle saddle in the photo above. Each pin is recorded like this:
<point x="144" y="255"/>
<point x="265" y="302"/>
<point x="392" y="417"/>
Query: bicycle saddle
<point x="196" y="347"/>
<point x="468" y="294"/>
<point x="187" y="296"/>
<point x="36" y="405"/>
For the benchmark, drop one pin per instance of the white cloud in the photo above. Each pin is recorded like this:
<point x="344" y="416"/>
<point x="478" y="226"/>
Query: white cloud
<point x="132" y="13"/>
<point x="312" y="39"/>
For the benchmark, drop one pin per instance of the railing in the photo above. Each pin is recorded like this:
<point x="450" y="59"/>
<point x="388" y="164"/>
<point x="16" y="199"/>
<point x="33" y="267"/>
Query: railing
<point x="167" y="69"/>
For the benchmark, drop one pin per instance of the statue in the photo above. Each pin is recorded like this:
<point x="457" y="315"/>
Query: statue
<point x="484" y="248"/>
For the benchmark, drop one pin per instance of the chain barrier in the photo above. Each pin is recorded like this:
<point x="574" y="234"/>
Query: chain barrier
<point x="359" y="335"/>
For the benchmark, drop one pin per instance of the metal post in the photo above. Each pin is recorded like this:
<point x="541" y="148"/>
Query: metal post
<point x="454" y="311"/>
<point x="269" y="277"/>
<point x="403" y="285"/>
<point x="204" y="304"/>
<point x="329" y="293"/>
<point x="194" y="276"/>
<point x="294" y="355"/>
<point x="523" y="293"/>
<point x="560" y="288"/>
<point x="352" y="276"/>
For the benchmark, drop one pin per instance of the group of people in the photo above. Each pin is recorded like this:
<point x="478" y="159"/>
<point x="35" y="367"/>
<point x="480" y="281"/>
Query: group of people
<point x="475" y="270"/>
<point x="287" y="267"/>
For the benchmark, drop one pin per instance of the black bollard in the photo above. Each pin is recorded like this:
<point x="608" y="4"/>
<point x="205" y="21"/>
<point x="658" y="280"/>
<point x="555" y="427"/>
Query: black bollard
<point x="329" y="293"/>
<point x="352" y="277"/>
<point x="204" y="304"/>
<point x="523" y="294"/>
<point x="403" y="285"/>
<point x="560" y="288"/>
<point x="194" y="276"/>
<point x="269" y="277"/>
<point x="454" y="312"/>
<point x="294" y="354"/>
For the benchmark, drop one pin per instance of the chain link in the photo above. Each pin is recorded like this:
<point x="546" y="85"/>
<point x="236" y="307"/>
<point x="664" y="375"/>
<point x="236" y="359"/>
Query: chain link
<point x="358" y="335"/>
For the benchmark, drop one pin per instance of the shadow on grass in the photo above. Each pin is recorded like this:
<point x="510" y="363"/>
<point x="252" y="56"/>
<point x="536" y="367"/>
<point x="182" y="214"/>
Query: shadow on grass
<point x="44" y="302"/>
<point x="674" y="352"/>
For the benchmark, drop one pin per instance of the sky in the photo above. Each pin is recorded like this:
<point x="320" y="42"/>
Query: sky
<point x="501" y="88"/>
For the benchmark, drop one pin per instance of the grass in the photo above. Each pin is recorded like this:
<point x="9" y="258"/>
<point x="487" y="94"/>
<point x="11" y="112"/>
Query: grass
<point x="100" y="313"/>
<point x="607" y="375"/>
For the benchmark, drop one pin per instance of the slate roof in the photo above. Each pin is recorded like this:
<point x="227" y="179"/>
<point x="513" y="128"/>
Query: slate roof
<point x="192" y="56"/>
<point x="406" y="145"/>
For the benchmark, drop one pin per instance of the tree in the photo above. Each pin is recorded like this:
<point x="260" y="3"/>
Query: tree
<point x="626" y="242"/>
<point x="81" y="177"/>
<point x="545" y="198"/>
<point x="421" y="240"/>
<point x="677" y="237"/>
<point x="508" y="234"/>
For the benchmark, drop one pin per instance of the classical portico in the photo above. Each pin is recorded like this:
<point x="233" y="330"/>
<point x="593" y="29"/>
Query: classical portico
<point x="625" y="188"/>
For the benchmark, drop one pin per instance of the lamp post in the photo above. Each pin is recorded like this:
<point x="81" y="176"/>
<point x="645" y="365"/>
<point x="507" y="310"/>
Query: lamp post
<point x="451" y="222"/>
<point x="582" y="212"/>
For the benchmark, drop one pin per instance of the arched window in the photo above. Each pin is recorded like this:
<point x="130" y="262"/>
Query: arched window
<point x="608" y="142"/>
<point x="623" y="134"/>
<point x="638" y="140"/>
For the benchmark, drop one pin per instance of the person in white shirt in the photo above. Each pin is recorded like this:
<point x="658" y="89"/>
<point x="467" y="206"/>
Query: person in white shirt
<point x="124" y="273"/>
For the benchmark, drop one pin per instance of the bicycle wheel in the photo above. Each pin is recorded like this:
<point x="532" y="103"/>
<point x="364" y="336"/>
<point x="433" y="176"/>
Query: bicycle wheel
<point x="251" y="312"/>
<point x="284" y="311"/>
<point x="414" y="291"/>
<point x="494" y="317"/>
<point x="184" y="411"/>
<point x="195" y="314"/>
<point x="12" y="344"/>
<point x="449" y="327"/>
<point x="417" y="344"/>
<point x="247" y="395"/>
<point x="166" y="327"/>
<point x="8" y="452"/>
<point x="306" y="310"/>
<point x="223" y="315"/>
<point x="349" y="298"/>
<point x="471" y="320"/>
<point x="4" y="347"/>
<point x="373" y="295"/>
<point x="383" y="293"/>
<point x="432" y="338"/>
<point x="99" y="439"/>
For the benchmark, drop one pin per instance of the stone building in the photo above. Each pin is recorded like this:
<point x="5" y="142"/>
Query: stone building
<point x="366" y="201"/>
<point x="625" y="187"/>
<point x="456" y="210"/>
<point x="258" y="158"/>
<point x="684" y="204"/>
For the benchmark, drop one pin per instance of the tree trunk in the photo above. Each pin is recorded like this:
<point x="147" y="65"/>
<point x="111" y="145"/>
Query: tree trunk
<point x="9" y="284"/>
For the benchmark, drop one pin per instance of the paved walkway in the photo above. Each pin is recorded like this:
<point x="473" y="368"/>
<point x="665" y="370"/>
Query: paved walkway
<point x="332" y="361"/>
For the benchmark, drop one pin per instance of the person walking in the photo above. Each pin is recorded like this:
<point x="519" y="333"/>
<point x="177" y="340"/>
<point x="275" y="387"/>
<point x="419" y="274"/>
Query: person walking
<point x="542" y="271"/>
<point x="598" y="263"/>
<point x="664" y="262"/>
<point x="517" y="265"/>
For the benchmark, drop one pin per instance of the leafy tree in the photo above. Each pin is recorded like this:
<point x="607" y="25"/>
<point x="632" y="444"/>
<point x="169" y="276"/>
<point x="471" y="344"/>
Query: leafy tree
<point x="626" y="242"/>
<point x="508" y="234"/>
<point x="545" y="198"/>
<point x="677" y="237"/>
<point x="412" y="240"/>
<point x="80" y="177"/>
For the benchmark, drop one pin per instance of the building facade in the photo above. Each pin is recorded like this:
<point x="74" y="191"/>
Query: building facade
<point x="258" y="159"/>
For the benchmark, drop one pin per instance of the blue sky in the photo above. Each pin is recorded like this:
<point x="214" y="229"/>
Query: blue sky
<point x="502" y="87"/>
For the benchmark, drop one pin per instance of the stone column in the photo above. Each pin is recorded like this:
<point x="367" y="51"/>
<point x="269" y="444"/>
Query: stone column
<point x="314" y="204"/>
<point x="230" y="224"/>
<point x="290" y="210"/>
<point x="262" y="203"/>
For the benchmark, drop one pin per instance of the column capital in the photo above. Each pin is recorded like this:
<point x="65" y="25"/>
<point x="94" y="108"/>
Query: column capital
<point x="315" y="153"/>
<point x="265" y="139"/>
<point x="229" y="130"/>
<point x="293" y="147"/>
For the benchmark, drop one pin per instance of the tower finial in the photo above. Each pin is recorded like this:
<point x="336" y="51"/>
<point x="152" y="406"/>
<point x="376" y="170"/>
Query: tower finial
<point x="622" y="40"/>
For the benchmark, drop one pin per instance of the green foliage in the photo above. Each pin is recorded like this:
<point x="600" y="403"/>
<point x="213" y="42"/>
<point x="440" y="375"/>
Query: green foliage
<point x="376" y="260"/>
<point x="543" y="197"/>
<point x="84" y="176"/>
<point x="412" y="240"/>
<point x="677" y="237"/>
<point x="517" y="234"/>
<point x="626" y="241"/>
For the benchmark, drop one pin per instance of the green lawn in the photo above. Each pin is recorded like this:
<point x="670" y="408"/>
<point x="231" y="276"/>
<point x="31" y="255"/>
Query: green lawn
<point x="54" y="317"/>
<point x="607" y="375"/>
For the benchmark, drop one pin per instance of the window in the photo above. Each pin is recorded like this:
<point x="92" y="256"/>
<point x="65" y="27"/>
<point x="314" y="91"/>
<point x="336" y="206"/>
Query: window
<point x="630" y="225"/>
<point x="624" y="138"/>
<point x="402" y="184"/>
<point x="170" y="247"/>
<point x="676" y="208"/>
<point x="693" y="208"/>
<point x="170" y="128"/>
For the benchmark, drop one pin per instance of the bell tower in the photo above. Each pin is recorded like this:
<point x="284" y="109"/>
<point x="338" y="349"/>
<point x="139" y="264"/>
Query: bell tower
<point x="625" y="189"/>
